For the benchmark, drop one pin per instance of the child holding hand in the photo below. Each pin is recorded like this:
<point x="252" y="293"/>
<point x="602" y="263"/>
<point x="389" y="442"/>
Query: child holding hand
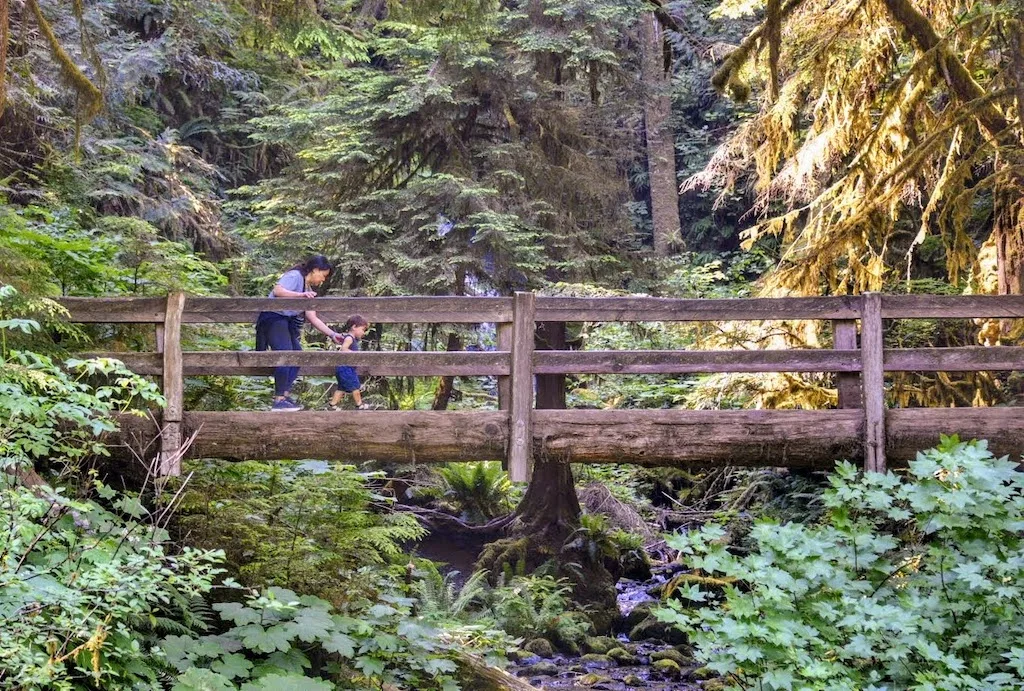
<point x="348" y="381"/>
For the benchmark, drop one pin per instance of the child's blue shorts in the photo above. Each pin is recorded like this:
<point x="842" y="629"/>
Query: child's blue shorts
<point x="348" y="380"/>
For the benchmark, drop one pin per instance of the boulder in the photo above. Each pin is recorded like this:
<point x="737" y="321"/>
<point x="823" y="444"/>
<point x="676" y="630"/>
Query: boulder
<point x="542" y="669"/>
<point x="599" y="644"/>
<point x="666" y="668"/>
<point x="672" y="654"/>
<point x="540" y="646"/>
<point x="623" y="656"/>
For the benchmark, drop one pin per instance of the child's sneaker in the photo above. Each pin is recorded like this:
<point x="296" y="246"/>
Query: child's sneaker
<point x="365" y="406"/>
<point x="333" y="406"/>
<point x="285" y="405"/>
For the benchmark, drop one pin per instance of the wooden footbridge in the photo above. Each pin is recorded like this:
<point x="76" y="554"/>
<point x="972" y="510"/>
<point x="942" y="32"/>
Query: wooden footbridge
<point x="530" y="366"/>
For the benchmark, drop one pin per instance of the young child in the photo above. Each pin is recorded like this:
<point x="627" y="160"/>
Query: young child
<point x="348" y="380"/>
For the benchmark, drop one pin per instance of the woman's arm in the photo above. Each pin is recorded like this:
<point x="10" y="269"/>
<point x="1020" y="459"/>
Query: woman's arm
<point x="320" y="326"/>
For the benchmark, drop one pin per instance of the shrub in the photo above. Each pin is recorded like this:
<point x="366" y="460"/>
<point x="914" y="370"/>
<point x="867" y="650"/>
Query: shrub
<point x="280" y="640"/>
<point x="83" y="587"/>
<point x="912" y="582"/>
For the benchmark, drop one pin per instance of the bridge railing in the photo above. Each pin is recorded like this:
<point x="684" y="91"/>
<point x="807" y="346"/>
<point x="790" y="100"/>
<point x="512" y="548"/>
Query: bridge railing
<point x="519" y="431"/>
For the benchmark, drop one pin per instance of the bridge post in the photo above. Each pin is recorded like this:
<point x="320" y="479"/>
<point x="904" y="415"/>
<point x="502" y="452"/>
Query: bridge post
<point x="504" y="333"/>
<point x="844" y="337"/>
<point x="873" y="378"/>
<point x="174" y="389"/>
<point x="520" y="438"/>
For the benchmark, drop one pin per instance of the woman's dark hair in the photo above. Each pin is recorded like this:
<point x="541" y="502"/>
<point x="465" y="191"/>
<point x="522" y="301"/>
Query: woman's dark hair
<point x="317" y="261"/>
<point x="354" y="321"/>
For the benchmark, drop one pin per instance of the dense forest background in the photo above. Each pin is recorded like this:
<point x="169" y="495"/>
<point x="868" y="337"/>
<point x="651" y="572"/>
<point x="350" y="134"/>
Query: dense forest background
<point x="461" y="147"/>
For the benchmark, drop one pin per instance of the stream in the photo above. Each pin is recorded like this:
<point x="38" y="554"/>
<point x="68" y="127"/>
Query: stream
<point x="635" y="667"/>
<point x="634" y="670"/>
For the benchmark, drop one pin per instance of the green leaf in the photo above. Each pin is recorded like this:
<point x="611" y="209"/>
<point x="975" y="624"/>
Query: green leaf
<point x="202" y="680"/>
<point x="232" y="666"/>
<point x="287" y="682"/>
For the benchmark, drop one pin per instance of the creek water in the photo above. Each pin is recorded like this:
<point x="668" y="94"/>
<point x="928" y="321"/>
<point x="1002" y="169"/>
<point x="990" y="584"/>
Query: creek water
<point x="567" y="672"/>
<point x="575" y="674"/>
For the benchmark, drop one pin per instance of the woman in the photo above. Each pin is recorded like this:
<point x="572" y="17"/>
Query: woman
<point x="281" y="329"/>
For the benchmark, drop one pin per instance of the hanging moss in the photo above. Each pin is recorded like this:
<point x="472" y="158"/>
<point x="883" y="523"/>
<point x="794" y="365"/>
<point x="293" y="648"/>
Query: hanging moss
<point x="90" y="97"/>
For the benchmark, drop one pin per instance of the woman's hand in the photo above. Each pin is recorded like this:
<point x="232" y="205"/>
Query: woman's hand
<point x="338" y="338"/>
<point x="308" y="294"/>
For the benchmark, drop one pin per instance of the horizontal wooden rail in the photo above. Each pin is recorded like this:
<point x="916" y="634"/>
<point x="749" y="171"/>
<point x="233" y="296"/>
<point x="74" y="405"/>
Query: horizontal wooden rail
<point x="472" y="310"/>
<point x="390" y="363"/>
<point x="116" y="310"/>
<point x="388" y="310"/>
<point x="692" y="361"/>
<point x="669" y="309"/>
<point x="952" y="306"/>
<point x="497" y="363"/>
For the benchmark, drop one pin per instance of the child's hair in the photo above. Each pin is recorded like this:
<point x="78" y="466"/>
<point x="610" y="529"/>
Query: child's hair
<point x="354" y="321"/>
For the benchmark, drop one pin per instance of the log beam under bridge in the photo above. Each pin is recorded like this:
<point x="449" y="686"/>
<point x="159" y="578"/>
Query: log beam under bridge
<point x="791" y="438"/>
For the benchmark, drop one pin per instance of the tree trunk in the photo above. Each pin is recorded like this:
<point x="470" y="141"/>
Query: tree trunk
<point x="443" y="393"/>
<point x="4" y="40"/>
<point x="550" y="507"/>
<point x="550" y="513"/>
<point x="445" y="385"/>
<point x="661" y="156"/>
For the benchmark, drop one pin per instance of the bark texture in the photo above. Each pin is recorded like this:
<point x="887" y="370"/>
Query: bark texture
<point x="661" y="155"/>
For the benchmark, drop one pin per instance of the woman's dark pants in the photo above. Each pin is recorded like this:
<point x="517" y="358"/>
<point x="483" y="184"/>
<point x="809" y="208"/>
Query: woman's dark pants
<point x="279" y="332"/>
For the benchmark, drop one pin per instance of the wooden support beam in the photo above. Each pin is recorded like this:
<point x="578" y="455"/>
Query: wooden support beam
<point x="521" y="404"/>
<point x="790" y="438"/>
<point x="872" y="376"/>
<point x="504" y="334"/>
<point x="699" y="438"/>
<point x="174" y="389"/>
<point x="420" y="436"/>
<point x="844" y="338"/>
<point x="504" y="338"/>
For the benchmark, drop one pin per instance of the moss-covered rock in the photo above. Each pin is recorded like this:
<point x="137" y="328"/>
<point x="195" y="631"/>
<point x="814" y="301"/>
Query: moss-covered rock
<point x="650" y="628"/>
<point x="672" y="654"/>
<point x="593" y="678"/>
<point x="666" y="668"/>
<point x="599" y="644"/>
<point x="704" y="673"/>
<point x="636" y="565"/>
<point x="594" y="661"/>
<point x="517" y="654"/>
<point x="540" y="646"/>
<point x="637" y="615"/>
<point x="623" y="656"/>
<point x="634" y="680"/>
<point x="542" y="669"/>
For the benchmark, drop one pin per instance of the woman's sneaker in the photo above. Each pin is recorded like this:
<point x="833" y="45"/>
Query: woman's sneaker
<point x="285" y="404"/>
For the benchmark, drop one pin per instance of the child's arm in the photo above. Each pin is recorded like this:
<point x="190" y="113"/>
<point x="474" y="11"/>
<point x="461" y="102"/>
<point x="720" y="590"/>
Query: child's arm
<point x="346" y="341"/>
